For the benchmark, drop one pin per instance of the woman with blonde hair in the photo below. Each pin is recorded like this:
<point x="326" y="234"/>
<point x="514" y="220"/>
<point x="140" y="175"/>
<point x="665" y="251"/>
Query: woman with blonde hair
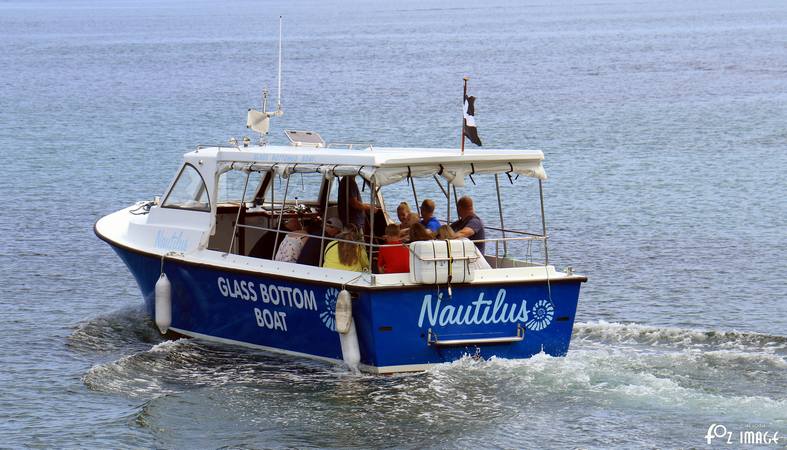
<point x="445" y="232"/>
<point x="403" y="212"/>
<point x="347" y="255"/>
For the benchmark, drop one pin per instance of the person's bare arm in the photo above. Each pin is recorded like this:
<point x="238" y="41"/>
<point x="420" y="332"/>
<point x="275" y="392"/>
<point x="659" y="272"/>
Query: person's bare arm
<point x="465" y="232"/>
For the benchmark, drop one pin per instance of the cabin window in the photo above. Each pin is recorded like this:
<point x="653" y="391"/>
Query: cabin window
<point x="304" y="188"/>
<point x="231" y="186"/>
<point x="188" y="192"/>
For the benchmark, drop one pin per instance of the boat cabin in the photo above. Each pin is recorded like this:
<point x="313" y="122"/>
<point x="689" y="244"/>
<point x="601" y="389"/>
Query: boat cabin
<point x="237" y="201"/>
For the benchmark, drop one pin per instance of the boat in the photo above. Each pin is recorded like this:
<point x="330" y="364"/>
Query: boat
<point x="206" y="254"/>
<point x="202" y="256"/>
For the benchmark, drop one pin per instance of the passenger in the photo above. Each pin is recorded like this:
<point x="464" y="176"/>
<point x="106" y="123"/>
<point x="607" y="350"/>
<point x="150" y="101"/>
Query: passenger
<point x="402" y="212"/>
<point x="347" y="255"/>
<point x="445" y="232"/>
<point x="409" y="221"/>
<point x="419" y="232"/>
<point x="290" y="247"/>
<point x="351" y="209"/>
<point x="310" y="254"/>
<point x="427" y="209"/>
<point x="393" y="259"/>
<point x="469" y="225"/>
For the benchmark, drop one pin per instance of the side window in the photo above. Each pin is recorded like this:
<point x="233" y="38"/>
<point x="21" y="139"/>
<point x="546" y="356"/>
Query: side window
<point x="189" y="191"/>
<point x="231" y="186"/>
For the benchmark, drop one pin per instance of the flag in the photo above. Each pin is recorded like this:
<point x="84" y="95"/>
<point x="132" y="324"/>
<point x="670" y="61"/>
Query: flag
<point x="470" y="129"/>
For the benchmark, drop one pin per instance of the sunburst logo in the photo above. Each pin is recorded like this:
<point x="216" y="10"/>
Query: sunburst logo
<point x="541" y="315"/>
<point x="328" y="316"/>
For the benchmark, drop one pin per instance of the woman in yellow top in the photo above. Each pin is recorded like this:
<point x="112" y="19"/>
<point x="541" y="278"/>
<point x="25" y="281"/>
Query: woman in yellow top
<point x="346" y="255"/>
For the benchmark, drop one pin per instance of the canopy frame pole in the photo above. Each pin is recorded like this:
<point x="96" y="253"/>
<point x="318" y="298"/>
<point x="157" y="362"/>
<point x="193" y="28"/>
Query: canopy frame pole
<point x="415" y="195"/>
<point x="237" y="217"/>
<point x="456" y="201"/>
<point x="281" y="215"/>
<point x="273" y="186"/>
<point x="543" y="222"/>
<point x="500" y="211"/>
<point x="372" y="211"/>
<point x="437" y="180"/>
<point x="325" y="218"/>
<point x="464" y="98"/>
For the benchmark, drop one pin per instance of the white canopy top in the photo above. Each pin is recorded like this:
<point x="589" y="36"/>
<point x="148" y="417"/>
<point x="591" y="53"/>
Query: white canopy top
<point x="381" y="165"/>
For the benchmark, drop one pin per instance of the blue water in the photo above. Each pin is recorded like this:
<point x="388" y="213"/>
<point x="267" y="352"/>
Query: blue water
<point x="664" y="129"/>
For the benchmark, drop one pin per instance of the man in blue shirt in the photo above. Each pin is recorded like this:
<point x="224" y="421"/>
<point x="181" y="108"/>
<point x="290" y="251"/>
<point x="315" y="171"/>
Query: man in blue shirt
<point x="427" y="210"/>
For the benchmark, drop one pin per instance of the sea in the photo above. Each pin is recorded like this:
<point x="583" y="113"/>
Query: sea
<point x="664" y="130"/>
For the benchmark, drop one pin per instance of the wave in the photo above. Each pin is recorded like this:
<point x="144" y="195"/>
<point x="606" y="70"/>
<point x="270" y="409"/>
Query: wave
<point x="615" y="378"/>
<point x="632" y="333"/>
<point x="125" y="329"/>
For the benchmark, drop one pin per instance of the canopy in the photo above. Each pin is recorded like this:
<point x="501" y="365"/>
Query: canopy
<point x="382" y="166"/>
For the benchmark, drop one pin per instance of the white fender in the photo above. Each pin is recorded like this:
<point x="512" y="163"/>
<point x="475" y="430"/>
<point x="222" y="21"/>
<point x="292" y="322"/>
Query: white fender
<point x="345" y="326"/>
<point x="163" y="311"/>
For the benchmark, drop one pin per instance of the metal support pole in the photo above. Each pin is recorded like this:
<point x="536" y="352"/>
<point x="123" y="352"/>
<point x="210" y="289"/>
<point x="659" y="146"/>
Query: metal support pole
<point x="464" y="96"/>
<point x="415" y="196"/>
<point x="372" y="211"/>
<point x="448" y="203"/>
<point x="500" y="211"/>
<point x="237" y="217"/>
<point x="281" y="215"/>
<point x="456" y="201"/>
<point x="325" y="218"/>
<point x="543" y="223"/>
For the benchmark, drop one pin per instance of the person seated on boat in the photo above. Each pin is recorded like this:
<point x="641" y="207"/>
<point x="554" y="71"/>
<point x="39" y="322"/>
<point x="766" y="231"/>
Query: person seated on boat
<point x="469" y="224"/>
<point x="446" y="233"/>
<point x="310" y="253"/>
<point x="393" y="259"/>
<point x="427" y="219"/>
<point x="347" y="255"/>
<point x="290" y="248"/>
<point x="419" y="232"/>
<point x="403" y="212"/>
<point x="409" y="221"/>
<point x="351" y="209"/>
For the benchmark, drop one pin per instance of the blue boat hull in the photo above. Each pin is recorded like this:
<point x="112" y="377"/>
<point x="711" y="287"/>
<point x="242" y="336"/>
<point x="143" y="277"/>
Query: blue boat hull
<point x="399" y="328"/>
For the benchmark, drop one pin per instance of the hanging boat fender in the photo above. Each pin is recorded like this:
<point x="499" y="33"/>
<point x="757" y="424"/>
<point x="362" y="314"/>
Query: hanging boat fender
<point x="163" y="310"/>
<point x="345" y="326"/>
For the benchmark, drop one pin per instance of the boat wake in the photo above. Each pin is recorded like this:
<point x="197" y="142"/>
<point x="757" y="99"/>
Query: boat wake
<point x="122" y="331"/>
<point x="635" y="334"/>
<point x="611" y="366"/>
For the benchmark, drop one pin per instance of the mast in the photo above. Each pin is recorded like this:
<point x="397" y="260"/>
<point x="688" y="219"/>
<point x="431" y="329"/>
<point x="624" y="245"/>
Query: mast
<point x="464" y="99"/>
<point x="278" y="100"/>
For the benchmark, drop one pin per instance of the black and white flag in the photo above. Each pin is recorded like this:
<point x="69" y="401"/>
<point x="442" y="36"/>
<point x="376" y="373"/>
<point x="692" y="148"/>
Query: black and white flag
<point x="470" y="130"/>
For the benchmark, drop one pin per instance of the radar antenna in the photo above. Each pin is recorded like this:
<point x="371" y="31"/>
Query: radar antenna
<point x="260" y="121"/>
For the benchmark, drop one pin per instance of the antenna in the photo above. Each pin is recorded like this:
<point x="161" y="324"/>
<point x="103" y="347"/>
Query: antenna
<point x="259" y="121"/>
<point x="278" y="101"/>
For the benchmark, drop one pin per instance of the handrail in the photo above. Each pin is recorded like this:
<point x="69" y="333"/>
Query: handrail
<point x="256" y="227"/>
<point x="432" y="339"/>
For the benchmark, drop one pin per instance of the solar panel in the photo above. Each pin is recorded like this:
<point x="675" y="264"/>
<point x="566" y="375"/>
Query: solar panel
<point x="304" y="138"/>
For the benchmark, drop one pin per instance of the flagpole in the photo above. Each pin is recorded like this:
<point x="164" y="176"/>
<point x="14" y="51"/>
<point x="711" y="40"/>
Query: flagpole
<point x="464" y="97"/>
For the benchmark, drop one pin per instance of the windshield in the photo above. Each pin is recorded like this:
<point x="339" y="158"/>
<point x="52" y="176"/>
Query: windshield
<point x="188" y="192"/>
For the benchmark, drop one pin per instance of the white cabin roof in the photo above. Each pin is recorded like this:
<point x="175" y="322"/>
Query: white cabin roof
<point x="383" y="165"/>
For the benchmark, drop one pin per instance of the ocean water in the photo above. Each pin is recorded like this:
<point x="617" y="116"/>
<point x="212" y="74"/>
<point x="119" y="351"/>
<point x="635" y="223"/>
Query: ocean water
<point x="664" y="126"/>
